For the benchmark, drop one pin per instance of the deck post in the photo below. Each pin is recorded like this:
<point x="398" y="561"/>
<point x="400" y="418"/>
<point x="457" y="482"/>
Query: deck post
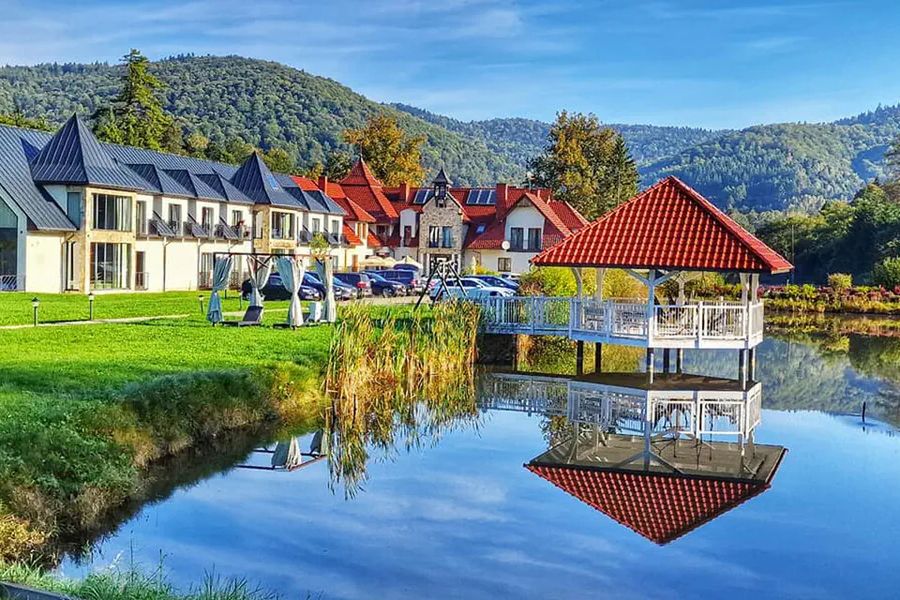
<point x="665" y="360"/>
<point x="751" y="355"/>
<point x="742" y="368"/>
<point x="598" y="357"/>
<point x="579" y="357"/>
<point x="679" y="360"/>
<point x="650" y="365"/>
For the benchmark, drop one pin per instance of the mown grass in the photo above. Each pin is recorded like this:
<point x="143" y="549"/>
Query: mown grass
<point x="84" y="409"/>
<point x="16" y="309"/>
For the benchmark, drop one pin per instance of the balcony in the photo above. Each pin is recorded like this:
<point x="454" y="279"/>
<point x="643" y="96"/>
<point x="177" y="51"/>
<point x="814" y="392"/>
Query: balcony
<point x="701" y="325"/>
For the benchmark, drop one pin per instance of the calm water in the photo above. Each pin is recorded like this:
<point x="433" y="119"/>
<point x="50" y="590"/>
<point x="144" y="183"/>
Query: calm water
<point x="460" y="517"/>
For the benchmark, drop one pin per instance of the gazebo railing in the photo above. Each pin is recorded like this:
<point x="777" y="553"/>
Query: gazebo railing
<point x="624" y="319"/>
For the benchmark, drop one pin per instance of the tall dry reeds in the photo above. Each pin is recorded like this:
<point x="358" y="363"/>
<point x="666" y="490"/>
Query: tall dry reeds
<point x="396" y="382"/>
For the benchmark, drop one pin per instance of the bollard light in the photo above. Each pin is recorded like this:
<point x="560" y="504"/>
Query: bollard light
<point x="200" y="299"/>
<point x="35" y="304"/>
<point x="91" y="306"/>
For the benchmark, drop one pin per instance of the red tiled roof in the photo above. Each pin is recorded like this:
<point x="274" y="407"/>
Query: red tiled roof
<point x="668" y="226"/>
<point x="567" y="213"/>
<point x="660" y="507"/>
<point x="354" y="210"/>
<point x="373" y="241"/>
<point x="352" y="238"/>
<point x="364" y="189"/>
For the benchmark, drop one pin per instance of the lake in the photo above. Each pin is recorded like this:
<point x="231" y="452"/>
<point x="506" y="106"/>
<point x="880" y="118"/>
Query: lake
<point x="451" y="511"/>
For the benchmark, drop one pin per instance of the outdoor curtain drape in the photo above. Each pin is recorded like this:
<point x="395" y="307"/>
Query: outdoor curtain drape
<point x="259" y="276"/>
<point x="325" y="270"/>
<point x="221" y="272"/>
<point x="291" y="271"/>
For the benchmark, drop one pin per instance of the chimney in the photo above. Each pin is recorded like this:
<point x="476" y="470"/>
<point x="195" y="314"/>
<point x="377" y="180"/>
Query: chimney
<point x="502" y="193"/>
<point x="404" y="192"/>
<point x="323" y="183"/>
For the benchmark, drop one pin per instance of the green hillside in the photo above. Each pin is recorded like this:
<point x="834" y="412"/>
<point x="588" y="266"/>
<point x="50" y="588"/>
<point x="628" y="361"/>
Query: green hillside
<point x="791" y="165"/>
<point x="266" y="104"/>
<point x="521" y="139"/>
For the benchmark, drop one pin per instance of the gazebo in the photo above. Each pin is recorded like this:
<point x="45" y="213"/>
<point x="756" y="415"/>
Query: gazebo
<point x="668" y="232"/>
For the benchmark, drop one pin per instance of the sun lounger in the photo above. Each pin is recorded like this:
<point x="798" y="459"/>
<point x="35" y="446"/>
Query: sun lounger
<point x="252" y="317"/>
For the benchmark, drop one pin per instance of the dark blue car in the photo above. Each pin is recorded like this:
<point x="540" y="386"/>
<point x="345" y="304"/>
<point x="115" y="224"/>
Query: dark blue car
<point x="385" y="287"/>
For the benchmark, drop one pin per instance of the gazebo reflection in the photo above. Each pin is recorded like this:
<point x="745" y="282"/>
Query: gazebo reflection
<point x="661" y="458"/>
<point x="288" y="455"/>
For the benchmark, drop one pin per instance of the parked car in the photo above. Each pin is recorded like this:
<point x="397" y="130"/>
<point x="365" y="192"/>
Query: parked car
<point x="274" y="290"/>
<point x="408" y="277"/>
<point x="341" y="291"/>
<point x="385" y="287"/>
<point x="497" y="281"/>
<point x="471" y="287"/>
<point x="360" y="281"/>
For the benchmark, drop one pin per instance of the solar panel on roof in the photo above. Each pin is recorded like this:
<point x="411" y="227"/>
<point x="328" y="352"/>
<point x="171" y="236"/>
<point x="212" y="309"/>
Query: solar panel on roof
<point x="482" y="197"/>
<point x="422" y="196"/>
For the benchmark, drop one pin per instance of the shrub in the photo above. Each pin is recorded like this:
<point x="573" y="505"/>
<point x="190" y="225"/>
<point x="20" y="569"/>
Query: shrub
<point x="887" y="272"/>
<point x="560" y="281"/>
<point x="840" y="282"/>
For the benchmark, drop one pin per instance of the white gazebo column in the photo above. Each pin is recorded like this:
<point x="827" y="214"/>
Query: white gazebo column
<point x="598" y="347"/>
<point x="754" y="298"/>
<point x="579" y="345"/>
<point x="743" y="353"/>
<point x="651" y="299"/>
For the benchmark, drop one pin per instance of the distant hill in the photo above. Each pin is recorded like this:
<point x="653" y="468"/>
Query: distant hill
<point x="268" y="104"/>
<point x="265" y="103"/>
<point x="521" y="139"/>
<point x="789" y="165"/>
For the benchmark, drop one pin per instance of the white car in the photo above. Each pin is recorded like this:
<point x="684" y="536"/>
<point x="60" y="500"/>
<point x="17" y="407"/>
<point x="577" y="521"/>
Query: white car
<point x="471" y="288"/>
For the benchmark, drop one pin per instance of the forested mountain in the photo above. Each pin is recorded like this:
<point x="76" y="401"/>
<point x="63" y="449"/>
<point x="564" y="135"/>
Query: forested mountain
<point x="522" y="139"/>
<point x="266" y="104"/>
<point x="790" y="165"/>
<point x="272" y="105"/>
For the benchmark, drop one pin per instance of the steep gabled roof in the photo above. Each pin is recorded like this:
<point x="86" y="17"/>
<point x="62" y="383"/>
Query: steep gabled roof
<point x="363" y="188"/>
<point x="668" y="226"/>
<point x="255" y="180"/>
<point x="352" y="238"/>
<point x="660" y="507"/>
<point x="74" y="156"/>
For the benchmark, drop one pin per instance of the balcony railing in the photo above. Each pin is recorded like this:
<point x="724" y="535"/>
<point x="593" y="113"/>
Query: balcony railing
<point x="718" y="324"/>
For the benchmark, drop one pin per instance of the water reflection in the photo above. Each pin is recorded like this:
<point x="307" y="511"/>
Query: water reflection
<point x="661" y="458"/>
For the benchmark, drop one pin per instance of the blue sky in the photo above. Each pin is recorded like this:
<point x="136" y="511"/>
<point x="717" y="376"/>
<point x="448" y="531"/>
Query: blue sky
<point x="711" y="63"/>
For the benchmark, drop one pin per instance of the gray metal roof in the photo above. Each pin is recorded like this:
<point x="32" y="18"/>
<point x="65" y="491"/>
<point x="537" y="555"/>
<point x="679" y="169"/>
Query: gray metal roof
<point x="73" y="155"/>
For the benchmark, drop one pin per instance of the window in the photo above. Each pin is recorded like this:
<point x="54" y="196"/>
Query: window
<point x="434" y="236"/>
<point x="316" y="225"/>
<point x="237" y="217"/>
<point x="175" y="217"/>
<point x="206" y="218"/>
<point x="335" y="227"/>
<point x="407" y="234"/>
<point x="140" y="271"/>
<point x="74" y="208"/>
<point x="204" y="279"/>
<point x="282" y="226"/>
<point x="141" y="217"/>
<point x="447" y="236"/>
<point x="516" y="235"/>
<point x="257" y="226"/>
<point x="110" y="266"/>
<point x="534" y="238"/>
<point x="112" y="212"/>
<point x="504" y="265"/>
<point x="69" y="263"/>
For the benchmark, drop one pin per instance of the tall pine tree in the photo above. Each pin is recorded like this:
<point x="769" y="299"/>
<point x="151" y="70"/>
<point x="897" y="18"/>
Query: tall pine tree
<point x="136" y="116"/>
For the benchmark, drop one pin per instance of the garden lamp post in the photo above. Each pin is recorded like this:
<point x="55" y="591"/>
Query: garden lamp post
<point x="200" y="299"/>
<point x="35" y="304"/>
<point x="91" y="306"/>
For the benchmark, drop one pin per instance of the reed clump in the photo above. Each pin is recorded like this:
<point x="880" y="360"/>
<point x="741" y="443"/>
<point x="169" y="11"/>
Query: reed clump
<point x="397" y="381"/>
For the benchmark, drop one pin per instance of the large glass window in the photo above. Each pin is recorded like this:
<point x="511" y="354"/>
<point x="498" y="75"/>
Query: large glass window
<point x="206" y="218"/>
<point x="175" y="217"/>
<point x="282" y="226"/>
<point x="8" y="248"/>
<point x="112" y="212"/>
<point x="534" y="238"/>
<point x="74" y="208"/>
<point x="140" y="208"/>
<point x="110" y="266"/>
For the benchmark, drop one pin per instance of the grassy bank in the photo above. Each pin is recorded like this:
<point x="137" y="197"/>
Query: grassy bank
<point x="83" y="410"/>
<point x="16" y="309"/>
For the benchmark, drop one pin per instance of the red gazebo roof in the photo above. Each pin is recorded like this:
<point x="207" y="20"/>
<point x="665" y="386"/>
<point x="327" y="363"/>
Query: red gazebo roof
<point x="660" y="507"/>
<point x="668" y="226"/>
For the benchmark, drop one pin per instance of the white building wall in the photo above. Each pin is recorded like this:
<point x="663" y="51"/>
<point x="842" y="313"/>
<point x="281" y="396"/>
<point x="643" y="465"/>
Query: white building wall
<point x="154" y="250"/>
<point x="409" y="218"/>
<point x="489" y="259"/>
<point x="43" y="262"/>
<point x="526" y="217"/>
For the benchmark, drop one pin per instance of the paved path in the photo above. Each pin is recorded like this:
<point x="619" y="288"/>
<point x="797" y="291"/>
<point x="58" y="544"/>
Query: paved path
<point x="377" y="300"/>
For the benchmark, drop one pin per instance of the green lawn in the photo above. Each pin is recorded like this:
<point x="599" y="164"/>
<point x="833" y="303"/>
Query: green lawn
<point x="84" y="408"/>
<point x="15" y="307"/>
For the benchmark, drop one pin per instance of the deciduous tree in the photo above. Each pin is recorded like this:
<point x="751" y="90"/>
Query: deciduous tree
<point x="393" y="156"/>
